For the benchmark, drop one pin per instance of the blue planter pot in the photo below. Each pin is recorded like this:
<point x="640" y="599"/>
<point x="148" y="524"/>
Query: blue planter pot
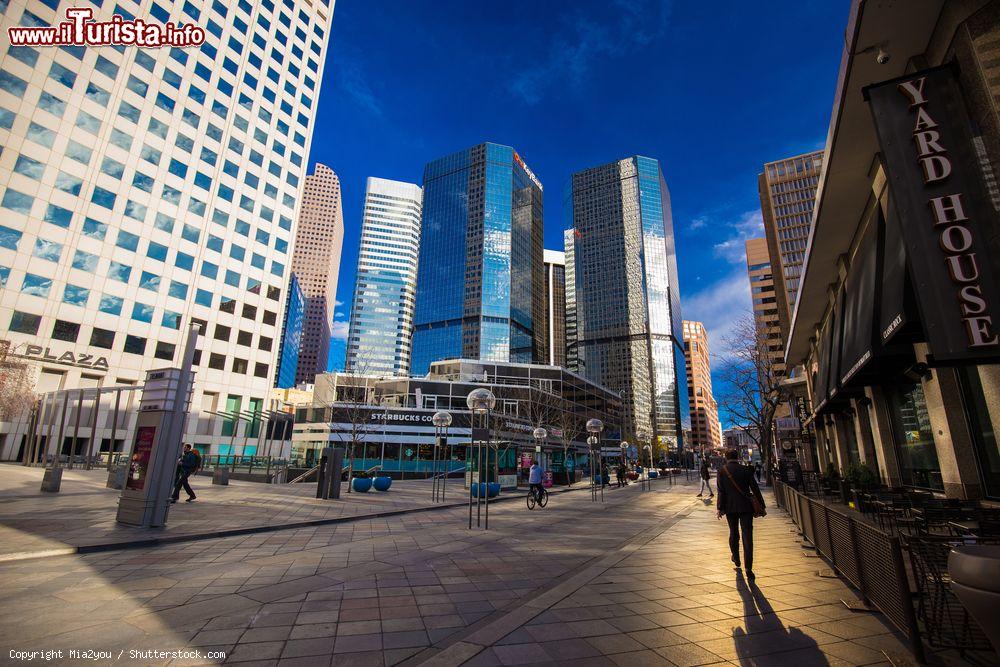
<point x="474" y="489"/>
<point x="493" y="489"/>
<point x="653" y="474"/>
<point x="382" y="483"/>
<point x="362" y="484"/>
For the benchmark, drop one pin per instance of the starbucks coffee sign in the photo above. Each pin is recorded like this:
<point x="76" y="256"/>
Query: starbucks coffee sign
<point x="934" y="178"/>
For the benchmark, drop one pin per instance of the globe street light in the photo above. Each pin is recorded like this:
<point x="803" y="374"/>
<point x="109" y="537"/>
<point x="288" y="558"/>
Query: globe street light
<point x="480" y="401"/>
<point x="441" y="421"/>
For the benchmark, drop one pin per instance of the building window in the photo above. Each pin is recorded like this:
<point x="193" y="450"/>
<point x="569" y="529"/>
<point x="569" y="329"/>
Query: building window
<point x="913" y="437"/>
<point x="260" y="370"/>
<point x="240" y="366"/>
<point x="135" y="344"/>
<point x="222" y="332"/>
<point x="25" y="323"/>
<point x="217" y="361"/>
<point x="164" y="351"/>
<point x="982" y="424"/>
<point x="67" y="331"/>
<point x="244" y="338"/>
<point x="102" y="338"/>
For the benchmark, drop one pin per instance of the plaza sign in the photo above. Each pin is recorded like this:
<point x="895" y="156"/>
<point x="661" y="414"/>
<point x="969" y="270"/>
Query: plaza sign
<point x="66" y="358"/>
<point x="931" y="163"/>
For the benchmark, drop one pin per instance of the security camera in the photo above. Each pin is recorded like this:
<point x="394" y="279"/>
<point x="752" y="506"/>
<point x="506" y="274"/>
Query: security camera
<point x="882" y="57"/>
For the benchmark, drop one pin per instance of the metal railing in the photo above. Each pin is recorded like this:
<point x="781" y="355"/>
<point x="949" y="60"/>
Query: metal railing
<point x="864" y="555"/>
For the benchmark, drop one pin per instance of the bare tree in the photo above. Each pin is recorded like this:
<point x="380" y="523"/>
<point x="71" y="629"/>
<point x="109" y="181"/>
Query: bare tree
<point x="750" y="381"/>
<point x="570" y="426"/>
<point x="353" y="398"/>
<point x="17" y="385"/>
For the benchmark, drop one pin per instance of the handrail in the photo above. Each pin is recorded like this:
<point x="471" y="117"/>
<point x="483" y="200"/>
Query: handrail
<point x="306" y="473"/>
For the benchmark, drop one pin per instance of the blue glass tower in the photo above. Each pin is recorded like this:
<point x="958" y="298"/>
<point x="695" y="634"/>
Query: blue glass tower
<point x="628" y="315"/>
<point x="291" y="336"/>
<point x="480" y="277"/>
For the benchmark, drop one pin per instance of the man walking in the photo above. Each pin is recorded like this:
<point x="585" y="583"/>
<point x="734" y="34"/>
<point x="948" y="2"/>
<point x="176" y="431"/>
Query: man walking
<point x="706" y="475"/>
<point x="740" y="500"/>
<point x="187" y="464"/>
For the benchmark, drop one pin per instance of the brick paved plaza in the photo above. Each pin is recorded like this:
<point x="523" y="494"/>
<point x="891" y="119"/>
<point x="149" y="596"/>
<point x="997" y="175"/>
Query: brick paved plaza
<point x="644" y="578"/>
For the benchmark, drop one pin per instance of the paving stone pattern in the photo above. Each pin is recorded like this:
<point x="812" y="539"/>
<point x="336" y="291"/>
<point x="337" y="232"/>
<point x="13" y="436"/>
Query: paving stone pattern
<point x="644" y="578"/>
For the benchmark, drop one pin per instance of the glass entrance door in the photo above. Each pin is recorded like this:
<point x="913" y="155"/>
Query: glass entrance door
<point x="913" y="437"/>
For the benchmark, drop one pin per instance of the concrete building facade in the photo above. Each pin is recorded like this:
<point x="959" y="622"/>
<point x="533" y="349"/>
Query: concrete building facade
<point x="555" y="308"/>
<point x="316" y="262"/>
<point x="143" y="190"/>
<point x="706" y="430"/>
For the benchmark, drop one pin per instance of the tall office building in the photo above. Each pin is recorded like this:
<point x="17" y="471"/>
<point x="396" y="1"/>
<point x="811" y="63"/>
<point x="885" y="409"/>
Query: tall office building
<point x="570" y="299"/>
<point x="628" y="319"/>
<point x="316" y="263"/>
<point x="480" y="282"/>
<point x="706" y="431"/>
<point x="144" y="189"/>
<point x="760" y="270"/>
<point x="291" y="336"/>
<point x="381" y="329"/>
<point x="787" y="191"/>
<point x="555" y="308"/>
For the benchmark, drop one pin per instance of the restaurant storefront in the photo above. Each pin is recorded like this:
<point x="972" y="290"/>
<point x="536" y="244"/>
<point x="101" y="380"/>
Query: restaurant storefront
<point x="897" y="324"/>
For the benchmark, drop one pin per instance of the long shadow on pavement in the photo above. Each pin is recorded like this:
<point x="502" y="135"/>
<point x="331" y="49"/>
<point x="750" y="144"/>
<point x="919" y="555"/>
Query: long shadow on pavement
<point x="765" y="640"/>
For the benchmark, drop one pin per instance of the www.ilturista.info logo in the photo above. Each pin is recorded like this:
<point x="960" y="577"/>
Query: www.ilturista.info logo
<point x="81" y="30"/>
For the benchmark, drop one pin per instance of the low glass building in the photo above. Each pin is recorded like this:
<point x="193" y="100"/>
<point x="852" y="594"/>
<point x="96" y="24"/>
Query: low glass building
<point x="389" y="421"/>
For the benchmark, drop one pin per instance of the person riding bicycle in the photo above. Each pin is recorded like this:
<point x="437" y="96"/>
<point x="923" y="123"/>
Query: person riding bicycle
<point x="535" y="479"/>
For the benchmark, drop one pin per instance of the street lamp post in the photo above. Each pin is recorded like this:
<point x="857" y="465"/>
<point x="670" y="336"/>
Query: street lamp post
<point x="624" y="454"/>
<point x="594" y="427"/>
<point x="480" y="401"/>
<point x="645" y="478"/>
<point x="441" y="421"/>
<point x="539" y="434"/>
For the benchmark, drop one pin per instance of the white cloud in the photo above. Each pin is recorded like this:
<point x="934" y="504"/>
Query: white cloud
<point x="697" y="223"/>
<point x="588" y="40"/>
<point x="339" y="330"/>
<point x="719" y="307"/>
<point x="733" y="248"/>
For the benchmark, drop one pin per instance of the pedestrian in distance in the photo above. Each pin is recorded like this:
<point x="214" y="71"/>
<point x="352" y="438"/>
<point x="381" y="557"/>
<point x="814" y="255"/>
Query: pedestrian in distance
<point x="535" y="475"/>
<point x="605" y="475"/>
<point x="757" y="468"/>
<point x="740" y="500"/>
<point x="187" y="464"/>
<point x="620" y="474"/>
<point x="706" y="475"/>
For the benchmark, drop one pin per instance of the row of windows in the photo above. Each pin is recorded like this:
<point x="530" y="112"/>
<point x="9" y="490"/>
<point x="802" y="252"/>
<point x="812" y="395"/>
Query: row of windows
<point x="64" y="330"/>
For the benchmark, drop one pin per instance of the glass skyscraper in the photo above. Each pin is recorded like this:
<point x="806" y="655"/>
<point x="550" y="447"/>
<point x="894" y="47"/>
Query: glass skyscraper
<point x="291" y="335"/>
<point x="378" y="342"/>
<point x="627" y="303"/>
<point x="480" y="281"/>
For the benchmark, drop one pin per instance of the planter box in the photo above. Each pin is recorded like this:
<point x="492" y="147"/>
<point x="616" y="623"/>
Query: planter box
<point x="361" y="484"/>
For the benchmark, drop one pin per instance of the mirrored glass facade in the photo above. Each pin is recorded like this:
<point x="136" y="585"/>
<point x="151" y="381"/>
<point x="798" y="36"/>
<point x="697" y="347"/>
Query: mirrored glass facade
<point x="480" y="282"/>
<point x="626" y="299"/>
<point x="291" y="335"/>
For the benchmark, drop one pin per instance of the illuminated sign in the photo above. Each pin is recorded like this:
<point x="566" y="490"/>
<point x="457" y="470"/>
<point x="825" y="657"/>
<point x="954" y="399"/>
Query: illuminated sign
<point x="531" y="174"/>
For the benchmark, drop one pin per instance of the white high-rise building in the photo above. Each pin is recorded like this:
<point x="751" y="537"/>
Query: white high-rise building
<point x="384" y="295"/>
<point x="144" y="189"/>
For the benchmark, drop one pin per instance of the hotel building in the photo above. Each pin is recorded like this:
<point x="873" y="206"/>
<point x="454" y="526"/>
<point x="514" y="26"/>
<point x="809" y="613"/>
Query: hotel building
<point x="706" y="431"/>
<point x="480" y="280"/>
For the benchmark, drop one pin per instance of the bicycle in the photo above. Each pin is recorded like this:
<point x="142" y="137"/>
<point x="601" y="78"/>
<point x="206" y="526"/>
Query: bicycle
<point x="541" y="498"/>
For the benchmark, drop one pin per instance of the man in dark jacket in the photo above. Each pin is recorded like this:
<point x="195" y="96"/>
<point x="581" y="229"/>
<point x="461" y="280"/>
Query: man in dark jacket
<point x="706" y="475"/>
<point x="187" y="464"/>
<point x="737" y="487"/>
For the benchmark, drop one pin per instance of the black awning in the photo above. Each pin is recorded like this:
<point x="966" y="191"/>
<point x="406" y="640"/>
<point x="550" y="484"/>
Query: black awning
<point x="859" y="305"/>
<point x="836" y="341"/>
<point x="895" y="308"/>
<point x="821" y="378"/>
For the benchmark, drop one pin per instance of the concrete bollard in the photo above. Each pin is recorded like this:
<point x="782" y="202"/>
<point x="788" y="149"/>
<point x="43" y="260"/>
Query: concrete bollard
<point x="116" y="478"/>
<point x="221" y="476"/>
<point x="52" y="480"/>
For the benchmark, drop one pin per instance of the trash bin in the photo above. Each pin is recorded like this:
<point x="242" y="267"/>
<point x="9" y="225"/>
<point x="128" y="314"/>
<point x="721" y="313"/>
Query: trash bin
<point x="116" y="477"/>
<point x="221" y="476"/>
<point x="975" y="579"/>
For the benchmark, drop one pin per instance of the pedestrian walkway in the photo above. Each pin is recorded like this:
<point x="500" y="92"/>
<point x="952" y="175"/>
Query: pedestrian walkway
<point x="82" y="514"/>
<point x="643" y="578"/>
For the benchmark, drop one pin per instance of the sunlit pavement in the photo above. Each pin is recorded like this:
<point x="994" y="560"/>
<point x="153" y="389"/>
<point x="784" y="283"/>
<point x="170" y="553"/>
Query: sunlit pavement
<point x="643" y="578"/>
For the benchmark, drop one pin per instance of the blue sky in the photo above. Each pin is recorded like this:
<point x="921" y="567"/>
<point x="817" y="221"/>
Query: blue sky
<point x="711" y="89"/>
